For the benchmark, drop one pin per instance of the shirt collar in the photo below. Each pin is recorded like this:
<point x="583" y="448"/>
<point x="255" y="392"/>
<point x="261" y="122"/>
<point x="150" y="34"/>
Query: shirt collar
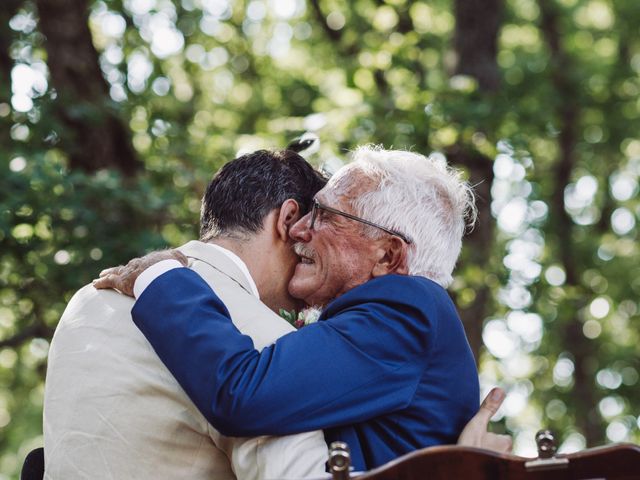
<point x="240" y="264"/>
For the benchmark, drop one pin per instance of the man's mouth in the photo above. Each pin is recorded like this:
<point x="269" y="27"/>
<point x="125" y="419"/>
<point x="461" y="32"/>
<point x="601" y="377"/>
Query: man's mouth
<point x="305" y="253"/>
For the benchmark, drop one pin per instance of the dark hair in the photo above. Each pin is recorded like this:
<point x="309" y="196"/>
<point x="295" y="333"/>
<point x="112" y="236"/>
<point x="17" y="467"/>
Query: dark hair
<point x="248" y="188"/>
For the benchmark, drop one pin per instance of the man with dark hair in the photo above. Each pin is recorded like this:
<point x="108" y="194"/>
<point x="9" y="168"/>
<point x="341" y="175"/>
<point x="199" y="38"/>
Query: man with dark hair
<point x="111" y="408"/>
<point x="246" y="190"/>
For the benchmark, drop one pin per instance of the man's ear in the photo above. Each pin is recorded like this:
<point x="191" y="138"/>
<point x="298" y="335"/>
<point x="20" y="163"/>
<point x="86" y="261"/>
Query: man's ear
<point x="393" y="258"/>
<point x="288" y="215"/>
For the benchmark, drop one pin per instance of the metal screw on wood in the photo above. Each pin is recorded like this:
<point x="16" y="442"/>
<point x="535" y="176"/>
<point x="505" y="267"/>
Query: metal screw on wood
<point x="339" y="460"/>
<point x="546" y="444"/>
<point x="547" y="459"/>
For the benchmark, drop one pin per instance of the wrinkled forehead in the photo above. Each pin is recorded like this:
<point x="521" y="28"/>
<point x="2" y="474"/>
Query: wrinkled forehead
<point x="347" y="183"/>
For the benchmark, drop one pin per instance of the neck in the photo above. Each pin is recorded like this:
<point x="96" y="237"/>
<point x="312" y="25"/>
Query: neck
<point x="245" y="250"/>
<point x="255" y="252"/>
<point x="234" y="245"/>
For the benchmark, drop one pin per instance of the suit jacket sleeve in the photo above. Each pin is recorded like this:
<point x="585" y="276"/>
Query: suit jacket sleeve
<point x="361" y="363"/>
<point x="267" y="457"/>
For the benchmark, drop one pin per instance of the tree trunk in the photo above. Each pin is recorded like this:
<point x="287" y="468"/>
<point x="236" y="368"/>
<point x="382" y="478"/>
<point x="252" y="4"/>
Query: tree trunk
<point x="94" y="137"/>
<point x="8" y="8"/>
<point x="475" y="41"/>
<point x="584" y="401"/>
<point x="478" y="243"/>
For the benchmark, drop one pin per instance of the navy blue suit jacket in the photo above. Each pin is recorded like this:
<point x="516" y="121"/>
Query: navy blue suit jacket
<point x="387" y="368"/>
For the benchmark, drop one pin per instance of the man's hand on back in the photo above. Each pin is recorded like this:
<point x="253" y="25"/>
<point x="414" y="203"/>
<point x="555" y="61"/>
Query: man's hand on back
<point x="475" y="433"/>
<point x="124" y="277"/>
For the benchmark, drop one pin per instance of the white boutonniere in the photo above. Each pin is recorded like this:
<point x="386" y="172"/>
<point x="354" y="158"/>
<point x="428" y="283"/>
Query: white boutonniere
<point x="302" y="318"/>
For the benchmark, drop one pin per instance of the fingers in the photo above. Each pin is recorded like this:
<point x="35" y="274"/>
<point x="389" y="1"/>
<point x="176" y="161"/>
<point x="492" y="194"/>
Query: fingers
<point x="109" y="280"/>
<point x="475" y="433"/>
<point x="111" y="270"/>
<point x="491" y="404"/>
<point x="122" y="283"/>
<point x="123" y="277"/>
<point x="505" y="444"/>
<point x="497" y="443"/>
<point x="155" y="257"/>
<point x="181" y="257"/>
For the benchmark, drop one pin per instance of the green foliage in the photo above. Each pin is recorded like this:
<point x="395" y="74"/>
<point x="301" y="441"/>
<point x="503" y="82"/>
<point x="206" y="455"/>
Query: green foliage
<point x="58" y="229"/>
<point x="199" y="82"/>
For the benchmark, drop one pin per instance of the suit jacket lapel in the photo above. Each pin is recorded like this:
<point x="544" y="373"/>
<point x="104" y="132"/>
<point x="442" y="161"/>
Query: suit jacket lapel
<point x="217" y="260"/>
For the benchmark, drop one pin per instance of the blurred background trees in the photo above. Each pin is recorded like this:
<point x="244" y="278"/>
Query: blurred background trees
<point x="114" y="114"/>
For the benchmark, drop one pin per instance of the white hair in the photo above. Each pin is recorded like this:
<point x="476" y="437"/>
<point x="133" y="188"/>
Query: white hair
<point x="422" y="198"/>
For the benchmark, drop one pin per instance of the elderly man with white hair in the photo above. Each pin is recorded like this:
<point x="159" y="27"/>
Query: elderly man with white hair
<point x="387" y="368"/>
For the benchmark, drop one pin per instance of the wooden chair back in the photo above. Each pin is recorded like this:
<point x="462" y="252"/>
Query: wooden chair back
<point x="612" y="462"/>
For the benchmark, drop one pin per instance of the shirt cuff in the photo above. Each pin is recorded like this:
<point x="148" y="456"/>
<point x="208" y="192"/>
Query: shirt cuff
<point x="151" y="273"/>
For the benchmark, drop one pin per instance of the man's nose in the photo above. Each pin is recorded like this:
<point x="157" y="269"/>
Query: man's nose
<point x="300" y="231"/>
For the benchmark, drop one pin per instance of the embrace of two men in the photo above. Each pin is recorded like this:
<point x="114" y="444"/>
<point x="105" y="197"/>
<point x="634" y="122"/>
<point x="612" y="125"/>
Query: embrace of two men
<point x="387" y="368"/>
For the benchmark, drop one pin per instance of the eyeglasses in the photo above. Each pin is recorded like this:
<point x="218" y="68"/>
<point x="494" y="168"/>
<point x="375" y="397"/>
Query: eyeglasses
<point x="318" y="206"/>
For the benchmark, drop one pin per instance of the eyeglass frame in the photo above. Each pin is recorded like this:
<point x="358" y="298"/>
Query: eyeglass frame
<point x="316" y="205"/>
